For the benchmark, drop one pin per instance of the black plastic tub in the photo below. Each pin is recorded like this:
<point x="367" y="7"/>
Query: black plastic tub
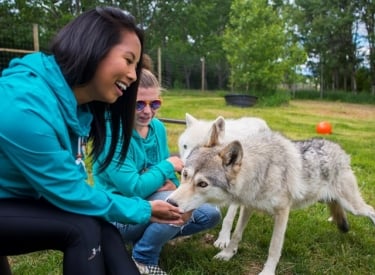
<point x="241" y="100"/>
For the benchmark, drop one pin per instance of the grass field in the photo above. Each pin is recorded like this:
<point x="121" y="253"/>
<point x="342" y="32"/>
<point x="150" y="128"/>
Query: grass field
<point x="312" y="245"/>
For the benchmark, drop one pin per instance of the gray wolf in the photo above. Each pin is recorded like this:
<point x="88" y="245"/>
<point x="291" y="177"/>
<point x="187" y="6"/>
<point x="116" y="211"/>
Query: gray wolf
<point x="269" y="173"/>
<point x="196" y="134"/>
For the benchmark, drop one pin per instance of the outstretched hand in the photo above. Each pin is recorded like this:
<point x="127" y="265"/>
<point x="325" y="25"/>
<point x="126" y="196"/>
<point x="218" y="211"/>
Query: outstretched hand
<point x="177" y="163"/>
<point x="164" y="212"/>
<point x="168" y="186"/>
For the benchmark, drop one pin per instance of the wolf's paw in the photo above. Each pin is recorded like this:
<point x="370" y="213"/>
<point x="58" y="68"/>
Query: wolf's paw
<point x="266" y="272"/>
<point x="225" y="254"/>
<point x="222" y="242"/>
<point x="269" y="268"/>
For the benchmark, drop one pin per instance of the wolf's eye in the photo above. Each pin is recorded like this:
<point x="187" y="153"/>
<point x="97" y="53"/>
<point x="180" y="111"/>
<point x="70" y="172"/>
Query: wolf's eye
<point x="202" y="184"/>
<point x="185" y="146"/>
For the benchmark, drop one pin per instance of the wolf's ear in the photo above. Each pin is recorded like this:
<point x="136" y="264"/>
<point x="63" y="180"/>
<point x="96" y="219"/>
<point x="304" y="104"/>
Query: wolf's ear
<point x="213" y="136"/>
<point x="189" y="119"/>
<point x="220" y="126"/>
<point x="232" y="156"/>
<point x="216" y="132"/>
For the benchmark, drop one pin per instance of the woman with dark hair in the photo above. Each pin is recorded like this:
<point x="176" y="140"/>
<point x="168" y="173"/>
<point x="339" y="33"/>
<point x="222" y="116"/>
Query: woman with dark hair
<point x="53" y="105"/>
<point x="149" y="172"/>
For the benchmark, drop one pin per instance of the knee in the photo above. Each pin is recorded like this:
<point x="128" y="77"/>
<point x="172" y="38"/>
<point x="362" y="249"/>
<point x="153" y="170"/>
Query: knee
<point x="86" y="229"/>
<point x="208" y="214"/>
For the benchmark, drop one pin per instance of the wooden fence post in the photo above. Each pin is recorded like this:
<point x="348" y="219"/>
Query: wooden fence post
<point x="36" y="37"/>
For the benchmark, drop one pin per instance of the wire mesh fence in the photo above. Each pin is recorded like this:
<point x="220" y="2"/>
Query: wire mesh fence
<point x="16" y="42"/>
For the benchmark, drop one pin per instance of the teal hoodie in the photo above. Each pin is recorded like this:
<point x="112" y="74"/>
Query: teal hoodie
<point x="145" y="168"/>
<point x="40" y="127"/>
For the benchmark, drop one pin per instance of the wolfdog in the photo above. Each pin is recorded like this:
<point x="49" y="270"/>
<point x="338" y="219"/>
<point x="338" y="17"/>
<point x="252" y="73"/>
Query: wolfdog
<point x="196" y="134"/>
<point x="268" y="172"/>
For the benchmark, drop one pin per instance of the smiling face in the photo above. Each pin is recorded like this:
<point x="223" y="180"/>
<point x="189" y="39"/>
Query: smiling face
<point x="143" y="117"/>
<point x="115" y="72"/>
<point x="148" y="101"/>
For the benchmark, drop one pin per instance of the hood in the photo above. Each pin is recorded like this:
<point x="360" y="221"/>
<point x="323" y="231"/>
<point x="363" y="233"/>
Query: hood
<point x="45" y="68"/>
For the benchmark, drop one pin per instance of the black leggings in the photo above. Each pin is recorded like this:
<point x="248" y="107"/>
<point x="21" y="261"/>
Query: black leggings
<point x="90" y="245"/>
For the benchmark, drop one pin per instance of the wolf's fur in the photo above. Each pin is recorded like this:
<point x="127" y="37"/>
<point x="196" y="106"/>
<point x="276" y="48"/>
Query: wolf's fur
<point x="270" y="173"/>
<point x="196" y="132"/>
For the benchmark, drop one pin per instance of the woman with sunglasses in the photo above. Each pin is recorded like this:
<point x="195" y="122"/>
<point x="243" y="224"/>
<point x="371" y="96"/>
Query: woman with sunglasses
<point x="50" y="105"/>
<point x="150" y="172"/>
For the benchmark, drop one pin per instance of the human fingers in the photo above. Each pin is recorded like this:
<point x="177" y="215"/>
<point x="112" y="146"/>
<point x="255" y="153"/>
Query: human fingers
<point x="165" y="210"/>
<point x="177" y="163"/>
<point x="168" y="186"/>
<point x="186" y="216"/>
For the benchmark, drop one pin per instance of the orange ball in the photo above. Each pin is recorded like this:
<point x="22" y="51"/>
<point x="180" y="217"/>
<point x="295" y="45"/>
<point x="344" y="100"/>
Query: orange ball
<point x="324" y="127"/>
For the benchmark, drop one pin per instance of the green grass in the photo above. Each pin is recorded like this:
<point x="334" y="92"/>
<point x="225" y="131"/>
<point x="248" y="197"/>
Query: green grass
<point x="312" y="245"/>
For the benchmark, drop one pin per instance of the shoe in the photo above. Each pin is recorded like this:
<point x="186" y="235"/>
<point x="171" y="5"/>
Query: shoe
<point x="156" y="270"/>
<point x="149" y="269"/>
<point x="143" y="269"/>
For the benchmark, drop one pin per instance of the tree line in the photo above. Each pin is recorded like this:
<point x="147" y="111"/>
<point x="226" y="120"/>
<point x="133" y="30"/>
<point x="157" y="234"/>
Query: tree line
<point x="243" y="44"/>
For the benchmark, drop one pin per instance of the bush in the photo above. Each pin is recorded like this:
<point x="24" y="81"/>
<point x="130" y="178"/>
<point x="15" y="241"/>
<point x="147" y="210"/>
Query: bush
<point x="273" y="99"/>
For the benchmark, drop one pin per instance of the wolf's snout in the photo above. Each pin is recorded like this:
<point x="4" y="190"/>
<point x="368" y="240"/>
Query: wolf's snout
<point x="173" y="202"/>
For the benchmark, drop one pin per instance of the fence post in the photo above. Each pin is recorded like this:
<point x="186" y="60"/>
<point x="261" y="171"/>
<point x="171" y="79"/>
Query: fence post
<point x="203" y="76"/>
<point x="36" y="37"/>
<point x="159" y="66"/>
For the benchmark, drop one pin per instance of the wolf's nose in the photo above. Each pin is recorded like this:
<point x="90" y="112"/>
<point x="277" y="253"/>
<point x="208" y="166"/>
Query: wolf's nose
<point x="170" y="201"/>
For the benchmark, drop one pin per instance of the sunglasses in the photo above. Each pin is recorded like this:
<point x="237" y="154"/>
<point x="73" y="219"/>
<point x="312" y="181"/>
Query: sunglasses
<point x="154" y="104"/>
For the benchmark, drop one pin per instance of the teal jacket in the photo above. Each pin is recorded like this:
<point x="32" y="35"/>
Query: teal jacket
<point x="40" y="125"/>
<point x="145" y="168"/>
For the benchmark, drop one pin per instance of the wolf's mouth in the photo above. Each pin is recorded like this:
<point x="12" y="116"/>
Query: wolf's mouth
<point x="121" y="86"/>
<point x="174" y="203"/>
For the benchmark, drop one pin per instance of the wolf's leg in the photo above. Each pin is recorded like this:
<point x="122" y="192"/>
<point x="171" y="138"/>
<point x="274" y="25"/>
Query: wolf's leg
<point x="274" y="252"/>
<point x="349" y="196"/>
<point x="338" y="216"/>
<point x="226" y="228"/>
<point x="232" y="247"/>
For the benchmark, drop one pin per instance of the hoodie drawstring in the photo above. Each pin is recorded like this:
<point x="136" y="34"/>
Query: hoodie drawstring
<point x="80" y="151"/>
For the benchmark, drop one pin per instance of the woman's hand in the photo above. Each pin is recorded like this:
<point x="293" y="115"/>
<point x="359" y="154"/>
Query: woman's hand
<point x="168" y="186"/>
<point x="186" y="216"/>
<point x="177" y="163"/>
<point x="164" y="212"/>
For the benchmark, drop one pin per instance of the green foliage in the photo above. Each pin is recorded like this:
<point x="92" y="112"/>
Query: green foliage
<point x="253" y="42"/>
<point x="259" y="50"/>
<point x="330" y="34"/>
<point x="341" y="96"/>
<point x="274" y="99"/>
<point x="363" y="79"/>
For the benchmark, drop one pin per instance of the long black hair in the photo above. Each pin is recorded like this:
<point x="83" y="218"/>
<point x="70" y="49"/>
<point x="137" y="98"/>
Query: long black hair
<point x="78" y="49"/>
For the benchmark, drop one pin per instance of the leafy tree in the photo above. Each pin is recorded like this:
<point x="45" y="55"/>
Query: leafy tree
<point x="259" y="49"/>
<point x="367" y="15"/>
<point x="327" y="31"/>
<point x="186" y="31"/>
